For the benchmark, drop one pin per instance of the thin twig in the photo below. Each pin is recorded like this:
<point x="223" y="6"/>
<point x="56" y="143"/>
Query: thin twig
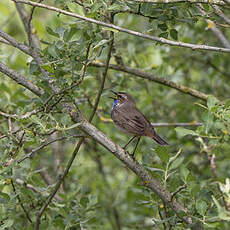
<point x="15" y="116"/>
<point x="132" y="32"/>
<point x="218" y="12"/>
<point x="103" y="79"/>
<point x="57" y="186"/>
<point x="20" y="202"/>
<point x="178" y="190"/>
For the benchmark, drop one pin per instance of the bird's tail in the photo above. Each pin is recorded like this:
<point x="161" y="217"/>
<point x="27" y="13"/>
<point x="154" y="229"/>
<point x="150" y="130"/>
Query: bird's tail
<point x="156" y="138"/>
<point x="159" y="140"/>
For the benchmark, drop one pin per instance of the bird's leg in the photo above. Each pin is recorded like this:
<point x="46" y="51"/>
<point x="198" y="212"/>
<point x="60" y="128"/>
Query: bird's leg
<point x="136" y="145"/>
<point x="129" y="142"/>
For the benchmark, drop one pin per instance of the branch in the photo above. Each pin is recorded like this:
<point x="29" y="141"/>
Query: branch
<point x="151" y="77"/>
<point x="21" y="80"/>
<point x="218" y="12"/>
<point x="103" y="79"/>
<point x="213" y="28"/>
<point x="57" y="186"/>
<point x="131" y="163"/>
<point x="15" y="43"/>
<point x="132" y="32"/>
<point x="31" y="52"/>
<point x="15" y="116"/>
<point x="21" y="203"/>
<point x="177" y="124"/>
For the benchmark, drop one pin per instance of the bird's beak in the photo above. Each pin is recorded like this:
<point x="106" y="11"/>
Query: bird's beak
<point x="114" y="98"/>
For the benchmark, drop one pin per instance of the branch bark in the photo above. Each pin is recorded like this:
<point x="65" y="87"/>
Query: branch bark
<point x="132" y="32"/>
<point x="151" y="77"/>
<point x="21" y="80"/>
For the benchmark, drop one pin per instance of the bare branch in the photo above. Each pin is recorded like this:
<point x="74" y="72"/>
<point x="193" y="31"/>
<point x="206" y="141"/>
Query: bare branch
<point x="132" y="32"/>
<point x="15" y="43"/>
<point x="151" y="77"/>
<point x="20" y="202"/>
<point x="214" y="28"/>
<point x="4" y="41"/>
<point x="176" y="124"/>
<point x="218" y="12"/>
<point x="21" y="80"/>
<point x="104" y="76"/>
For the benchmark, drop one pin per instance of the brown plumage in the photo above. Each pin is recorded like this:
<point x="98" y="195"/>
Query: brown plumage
<point x="130" y="120"/>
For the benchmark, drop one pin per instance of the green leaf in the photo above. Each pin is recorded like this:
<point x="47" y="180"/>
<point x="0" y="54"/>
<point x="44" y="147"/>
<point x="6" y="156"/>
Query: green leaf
<point x="51" y="32"/>
<point x="201" y="207"/>
<point x="48" y="68"/>
<point x="211" y="101"/>
<point x="176" y="163"/>
<point x="101" y="43"/>
<point x="222" y="213"/>
<point x="208" y="120"/>
<point x="164" y="35"/>
<point x="163" y="26"/>
<point x="68" y="34"/>
<point x="162" y="152"/>
<point x="184" y="172"/>
<point x="174" y="34"/>
<point x="181" y="132"/>
<point x="52" y="50"/>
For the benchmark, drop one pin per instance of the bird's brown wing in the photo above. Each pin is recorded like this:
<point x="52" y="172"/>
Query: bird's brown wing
<point x="130" y="120"/>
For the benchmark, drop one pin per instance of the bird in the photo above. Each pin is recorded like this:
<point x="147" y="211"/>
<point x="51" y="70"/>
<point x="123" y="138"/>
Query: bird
<point x="129" y="119"/>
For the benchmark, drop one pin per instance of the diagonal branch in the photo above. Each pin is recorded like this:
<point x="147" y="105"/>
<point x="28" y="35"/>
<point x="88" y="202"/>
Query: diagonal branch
<point x="151" y="77"/>
<point x="218" y="12"/>
<point x="132" y="32"/>
<point x="214" y="28"/>
<point x="21" y="80"/>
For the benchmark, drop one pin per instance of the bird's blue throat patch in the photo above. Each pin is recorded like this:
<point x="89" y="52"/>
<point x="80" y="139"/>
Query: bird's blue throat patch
<point x="114" y="103"/>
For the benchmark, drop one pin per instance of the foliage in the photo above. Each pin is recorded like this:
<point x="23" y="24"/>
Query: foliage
<point x="99" y="192"/>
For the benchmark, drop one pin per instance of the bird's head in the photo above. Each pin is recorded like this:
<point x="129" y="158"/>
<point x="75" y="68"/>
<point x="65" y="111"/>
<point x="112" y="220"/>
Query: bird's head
<point x="121" y="98"/>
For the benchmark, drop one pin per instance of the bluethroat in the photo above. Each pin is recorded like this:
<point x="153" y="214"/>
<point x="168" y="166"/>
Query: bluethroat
<point x="130" y="120"/>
